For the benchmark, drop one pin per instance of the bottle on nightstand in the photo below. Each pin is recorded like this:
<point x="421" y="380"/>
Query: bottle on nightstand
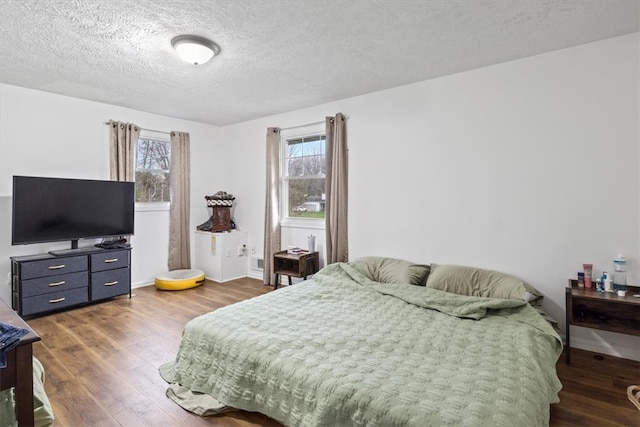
<point x="619" y="273"/>
<point x="608" y="283"/>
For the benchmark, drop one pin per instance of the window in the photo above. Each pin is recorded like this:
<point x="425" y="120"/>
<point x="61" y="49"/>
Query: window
<point x="152" y="169"/>
<point x="303" y="177"/>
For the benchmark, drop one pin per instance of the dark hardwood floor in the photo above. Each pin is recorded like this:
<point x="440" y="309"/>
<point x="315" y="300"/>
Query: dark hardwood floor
<point x="102" y="360"/>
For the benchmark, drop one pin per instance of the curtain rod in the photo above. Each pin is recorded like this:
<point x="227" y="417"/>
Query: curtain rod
<point x="141" y="128"/>
<point x="309" y="124"/>
<point x="301" y="126"/>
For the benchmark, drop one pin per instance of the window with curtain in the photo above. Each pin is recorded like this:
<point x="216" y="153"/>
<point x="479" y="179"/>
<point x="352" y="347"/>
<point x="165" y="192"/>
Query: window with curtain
<point x="153" y="168"/>
<point x="303" y="160"/>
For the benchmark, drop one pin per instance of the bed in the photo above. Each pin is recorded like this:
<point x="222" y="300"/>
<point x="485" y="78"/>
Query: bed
<point x="376" y="342"/>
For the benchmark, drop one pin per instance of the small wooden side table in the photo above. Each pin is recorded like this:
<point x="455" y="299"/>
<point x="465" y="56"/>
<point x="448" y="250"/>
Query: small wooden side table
<point x="605" y="311"/>
<point x="294" y="265"/>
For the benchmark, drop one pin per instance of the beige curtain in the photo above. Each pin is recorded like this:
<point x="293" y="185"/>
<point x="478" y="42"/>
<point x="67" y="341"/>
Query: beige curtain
<point x="272" y="207"/>
<point x="336" y="190"/>
<point x="180" y="183"/>
<point x="122" y="141"/>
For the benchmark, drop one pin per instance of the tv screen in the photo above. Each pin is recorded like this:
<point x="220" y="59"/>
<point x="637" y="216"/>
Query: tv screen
<point x="57" y="209"/>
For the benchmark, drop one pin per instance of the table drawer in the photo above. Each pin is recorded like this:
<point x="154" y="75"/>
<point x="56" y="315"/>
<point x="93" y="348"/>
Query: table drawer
<point x="109" y="261"/>
<point x="61" y="282"/>
<point x="107" y="284"/>
<point x="53" y="301"/>
<point x="52" y="267"/>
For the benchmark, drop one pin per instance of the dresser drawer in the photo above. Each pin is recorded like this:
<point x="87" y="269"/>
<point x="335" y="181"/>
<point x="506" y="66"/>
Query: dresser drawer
<point x="52" y="266"/>
<point x="107" y="284"/>
<point x="61" y="282"/>
<point x="109" y="260"/>
<point x="53" y="301"/>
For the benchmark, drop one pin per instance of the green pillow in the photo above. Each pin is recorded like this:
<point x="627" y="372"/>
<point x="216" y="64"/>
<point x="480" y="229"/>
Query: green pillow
<point x="482" y="283"/>
<point x="392" y="270"/>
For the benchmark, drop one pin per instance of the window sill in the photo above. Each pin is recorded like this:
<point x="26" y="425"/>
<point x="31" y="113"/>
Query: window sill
<point x="152" y="207"/>
<point x="313" y="224"/>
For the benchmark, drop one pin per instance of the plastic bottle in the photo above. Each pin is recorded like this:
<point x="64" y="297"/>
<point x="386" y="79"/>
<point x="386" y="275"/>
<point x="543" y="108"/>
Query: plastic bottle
<point x="619" y="273"/>
<point x="588" y="269"/>
<point x="580" y="279"/>
<point x="608" y="283"/>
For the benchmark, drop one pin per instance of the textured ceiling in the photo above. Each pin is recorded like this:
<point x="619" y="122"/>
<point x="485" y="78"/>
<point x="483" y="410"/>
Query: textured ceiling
<point x="278" y="55"/>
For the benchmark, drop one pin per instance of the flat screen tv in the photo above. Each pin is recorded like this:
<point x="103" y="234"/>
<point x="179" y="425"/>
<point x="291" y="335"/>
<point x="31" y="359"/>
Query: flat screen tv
<point x="59" y="209"/>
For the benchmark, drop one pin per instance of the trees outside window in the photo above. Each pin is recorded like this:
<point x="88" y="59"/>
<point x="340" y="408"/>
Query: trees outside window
<point x="152" y="170"/>
<point x="304" y="169"/>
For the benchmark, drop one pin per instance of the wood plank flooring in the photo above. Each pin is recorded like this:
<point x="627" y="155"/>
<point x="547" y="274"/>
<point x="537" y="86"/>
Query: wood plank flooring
<point x="102" y="360"/>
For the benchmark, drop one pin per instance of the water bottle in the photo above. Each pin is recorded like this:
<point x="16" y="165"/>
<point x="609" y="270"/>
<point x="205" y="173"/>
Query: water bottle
<point x="619" y="273"/>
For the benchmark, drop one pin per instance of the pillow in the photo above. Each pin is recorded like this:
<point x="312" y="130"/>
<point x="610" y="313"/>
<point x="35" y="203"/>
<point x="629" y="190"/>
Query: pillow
<point x="482" y="283"/>
<point x="391" y="270"/>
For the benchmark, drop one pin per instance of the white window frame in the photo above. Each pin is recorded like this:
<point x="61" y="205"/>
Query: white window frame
<point x="285" y="219"/>
<point x="151" y="206"/>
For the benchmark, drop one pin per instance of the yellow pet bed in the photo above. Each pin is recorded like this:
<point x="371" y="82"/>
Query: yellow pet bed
<point x="178" y="280"/>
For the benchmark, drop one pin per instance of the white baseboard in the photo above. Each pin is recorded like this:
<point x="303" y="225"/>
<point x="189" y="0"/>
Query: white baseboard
<point x="255" y="274"/>
<point x="143" y="283"/>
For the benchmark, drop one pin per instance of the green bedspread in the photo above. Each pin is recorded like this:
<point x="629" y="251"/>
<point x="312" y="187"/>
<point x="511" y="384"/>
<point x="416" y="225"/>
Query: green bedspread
<point x="341" y="350"/>
<point x="42" y="412"/>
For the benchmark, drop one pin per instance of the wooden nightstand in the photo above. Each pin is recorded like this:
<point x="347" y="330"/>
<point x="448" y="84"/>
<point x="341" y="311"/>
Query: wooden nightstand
<point x="605" y="311"/>
<point x="19" y="370"/>
<point x="294" y="265"/>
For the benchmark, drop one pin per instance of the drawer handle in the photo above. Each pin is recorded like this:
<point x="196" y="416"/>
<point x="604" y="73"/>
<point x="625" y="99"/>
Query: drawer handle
<point x="111" y="260"/>
<point x="115" y="282"/>
<point x="56" y="267"/>
<point x="57" y="283"/>
<point x="53" y="301"/>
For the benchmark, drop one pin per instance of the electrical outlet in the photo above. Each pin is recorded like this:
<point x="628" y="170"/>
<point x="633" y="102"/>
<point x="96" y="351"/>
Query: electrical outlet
<point x="253" y="250"/>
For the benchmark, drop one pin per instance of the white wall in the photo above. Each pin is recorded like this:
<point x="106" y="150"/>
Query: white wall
<point x="44" y="134"/>
<point x="528" y="167"/>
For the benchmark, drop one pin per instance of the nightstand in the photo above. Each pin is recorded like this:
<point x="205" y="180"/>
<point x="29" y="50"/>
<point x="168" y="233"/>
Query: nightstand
<point x="605" y="311"/>
<point x="294" y="265"/>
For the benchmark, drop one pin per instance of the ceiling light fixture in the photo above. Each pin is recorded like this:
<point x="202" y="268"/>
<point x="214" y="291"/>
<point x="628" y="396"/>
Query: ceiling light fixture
<point x="195" y="50"/>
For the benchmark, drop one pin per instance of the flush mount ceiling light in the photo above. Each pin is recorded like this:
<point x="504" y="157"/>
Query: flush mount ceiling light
<point x="195" y="50"/>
